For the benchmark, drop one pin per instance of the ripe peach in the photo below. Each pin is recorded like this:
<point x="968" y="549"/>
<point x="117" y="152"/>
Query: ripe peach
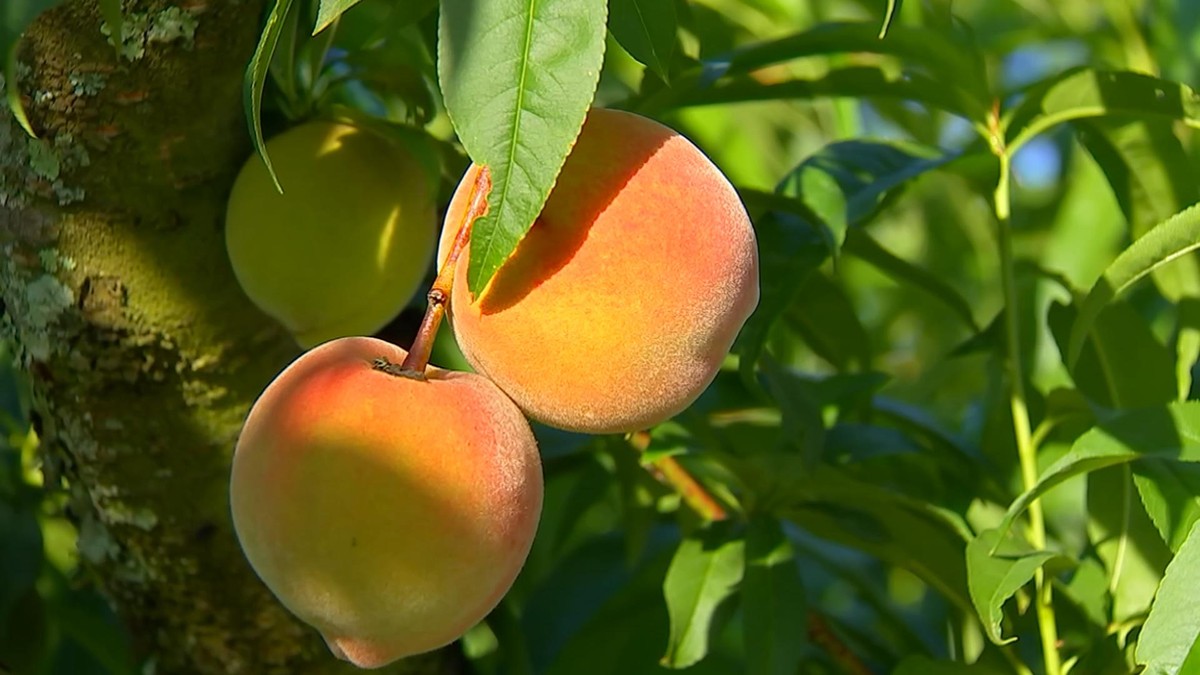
<point x="390" y="513"/>
<point x="617" y="308"/>
<point x="346" y="245"/>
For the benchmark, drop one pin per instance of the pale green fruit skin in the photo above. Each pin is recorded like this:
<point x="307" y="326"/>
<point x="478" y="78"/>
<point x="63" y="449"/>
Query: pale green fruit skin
<point x="346" y="245"/>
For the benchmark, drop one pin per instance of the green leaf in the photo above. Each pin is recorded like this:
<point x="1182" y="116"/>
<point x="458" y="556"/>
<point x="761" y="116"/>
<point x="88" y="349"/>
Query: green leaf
<point x="864" y="247"/>
<point x="932" y="49"/>
<point x="1172" y="629"/>
<point x="594" y="648"/>
<point x="256" y="77"/>
<point x="12" y="95"/>
<point x="821" y="194"/>
<point x="997" y="569"/>
<point x="705" y="571"/>
<point x="114" y="20"/>
<point x="867" y="176"/>
<point x="850" y="82"/>
<point x="790" y="249"/>
<point x="646" y="29"/>
<point x="517" y="77"/>
<point x="1125" y="540"/>
<point x="823" y="315"/>
<point x="773" y="604"/>
<point x="893" y="8"/>
<point x="1187" y="343"/>
<point x="1167" y="432"/>
<point x="1152" y="178"/>
<point x="832" y="504"/>
<point x="1087" y="93"/>
<point x="1105" y="373"/>
<point x="329" y="11"/>
<point x="1168" y="241"/>
<point x="1170" y="491"/>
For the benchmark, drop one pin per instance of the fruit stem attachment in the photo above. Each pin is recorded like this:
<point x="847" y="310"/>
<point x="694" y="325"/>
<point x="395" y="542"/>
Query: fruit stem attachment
<point x="418" y="356"/>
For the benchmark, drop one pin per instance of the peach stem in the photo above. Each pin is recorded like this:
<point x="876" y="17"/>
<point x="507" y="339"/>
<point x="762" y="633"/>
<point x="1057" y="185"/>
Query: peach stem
<point x="418" y="356"/>
<point x="669" y="471"/>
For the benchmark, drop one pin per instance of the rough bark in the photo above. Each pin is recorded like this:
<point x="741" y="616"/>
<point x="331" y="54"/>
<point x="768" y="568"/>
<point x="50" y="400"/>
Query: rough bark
<point x="143" y="353"/>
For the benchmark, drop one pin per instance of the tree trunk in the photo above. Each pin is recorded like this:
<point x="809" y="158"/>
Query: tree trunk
<point x="143" y="352"/>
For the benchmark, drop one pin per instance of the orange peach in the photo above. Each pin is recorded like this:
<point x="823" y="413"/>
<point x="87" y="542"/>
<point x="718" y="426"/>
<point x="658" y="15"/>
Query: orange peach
<point x="389" y="512"/>
<point x="617" y="308"/>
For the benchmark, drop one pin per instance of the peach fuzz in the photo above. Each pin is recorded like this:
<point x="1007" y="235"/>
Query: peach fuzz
<point x="617" y="308"/>
<point x="390" y="513"/>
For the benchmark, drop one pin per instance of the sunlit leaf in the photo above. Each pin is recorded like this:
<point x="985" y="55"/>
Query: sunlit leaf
<point x="1152" y="178"/>
<point x="12" y="95"/>
<point x="1170" y="491"/>
<point x="704" y="573"/>
<point x="517" y="77"/>
<point x="996" y="570"/>
<point x="329" y="11"/>
<point x="893" y="8"/>
<point x="1087" y="93"/>
<point x="1187" y="343"/>
<point x="1168" y="432"/>
<point x="1125" y="540"/>
<point x="1173" y="627"/>
<point x="1168" y="241"/>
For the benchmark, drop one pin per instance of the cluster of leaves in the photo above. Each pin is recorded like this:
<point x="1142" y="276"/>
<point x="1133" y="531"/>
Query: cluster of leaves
<point x="945" y="334"/>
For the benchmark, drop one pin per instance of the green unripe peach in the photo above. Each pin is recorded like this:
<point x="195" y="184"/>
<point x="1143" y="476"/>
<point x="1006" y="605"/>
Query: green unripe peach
<point x="390" y="513"/>
<point x="617" y="308"/>
<point x="346" y="245"/>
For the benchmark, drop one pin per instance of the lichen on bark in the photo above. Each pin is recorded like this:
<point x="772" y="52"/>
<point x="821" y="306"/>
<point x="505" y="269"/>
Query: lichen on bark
<point x="143" y="353"/>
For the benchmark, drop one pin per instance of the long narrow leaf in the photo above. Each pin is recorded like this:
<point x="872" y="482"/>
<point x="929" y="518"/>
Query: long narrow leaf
<point x="864" y="247"/>
<point x="1173" y="627"/>
<point x="517" y="77"/>
<point x="1087" y="93"/>
<point x="1171" y="239"/>
<point x="1168" y="432"/>
<point x="256" y="77"/>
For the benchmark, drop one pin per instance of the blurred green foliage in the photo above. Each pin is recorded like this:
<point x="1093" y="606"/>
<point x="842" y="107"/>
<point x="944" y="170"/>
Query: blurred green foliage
<point x="52" y="621"/>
